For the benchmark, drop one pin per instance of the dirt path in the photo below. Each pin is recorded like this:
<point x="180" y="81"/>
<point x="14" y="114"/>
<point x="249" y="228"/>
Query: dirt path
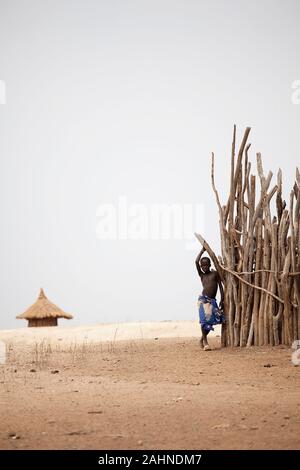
<point x="150" y="394"/>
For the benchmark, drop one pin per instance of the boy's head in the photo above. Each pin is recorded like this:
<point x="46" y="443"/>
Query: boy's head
<point x="205" y="264"/>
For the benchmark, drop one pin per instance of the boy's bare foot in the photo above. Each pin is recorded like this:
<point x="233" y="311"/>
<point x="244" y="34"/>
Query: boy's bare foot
<point x="207" y="347"/>
<point x="201" y="343"/>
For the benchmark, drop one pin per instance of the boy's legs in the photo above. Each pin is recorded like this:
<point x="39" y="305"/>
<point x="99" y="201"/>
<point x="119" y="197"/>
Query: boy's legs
<point x="203" y="341"/>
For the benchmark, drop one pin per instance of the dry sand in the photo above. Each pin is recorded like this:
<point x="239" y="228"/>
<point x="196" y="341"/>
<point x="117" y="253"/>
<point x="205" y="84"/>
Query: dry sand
<point x="104" y="332"/>
<point x="146" y="386"/>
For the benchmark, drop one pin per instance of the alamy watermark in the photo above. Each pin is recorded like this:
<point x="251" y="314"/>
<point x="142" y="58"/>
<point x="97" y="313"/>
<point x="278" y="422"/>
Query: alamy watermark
<point x="136" y="221"/>
<point x="2" y="352"/>
<point x="296" y="353"/>
<point x="2" y="92"/>
<point x="295" y="97"/>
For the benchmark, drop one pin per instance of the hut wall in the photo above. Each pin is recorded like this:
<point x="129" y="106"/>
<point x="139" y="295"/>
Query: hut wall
<point x="36" y="322"/>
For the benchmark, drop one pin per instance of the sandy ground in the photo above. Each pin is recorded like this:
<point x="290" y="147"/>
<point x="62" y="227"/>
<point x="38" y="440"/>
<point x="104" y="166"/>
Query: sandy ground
<point x="156" y="391"/>
<point x="104" y="332"/>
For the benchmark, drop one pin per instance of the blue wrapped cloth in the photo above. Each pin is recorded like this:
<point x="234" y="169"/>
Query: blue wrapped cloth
<point x="209" y="313"/>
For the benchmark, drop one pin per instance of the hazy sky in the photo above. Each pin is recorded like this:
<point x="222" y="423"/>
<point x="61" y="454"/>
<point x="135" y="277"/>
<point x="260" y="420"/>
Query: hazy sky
<point x="111" y="98"/>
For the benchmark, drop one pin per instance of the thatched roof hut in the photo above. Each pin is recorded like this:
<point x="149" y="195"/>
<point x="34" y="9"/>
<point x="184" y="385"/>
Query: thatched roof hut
<point x="43" y="312"/>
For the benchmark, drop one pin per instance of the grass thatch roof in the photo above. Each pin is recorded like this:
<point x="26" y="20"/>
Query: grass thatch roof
<point x="43" y="308"/>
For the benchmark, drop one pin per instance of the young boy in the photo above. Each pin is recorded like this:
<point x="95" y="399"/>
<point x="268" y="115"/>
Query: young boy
<point x="209" y="312"/>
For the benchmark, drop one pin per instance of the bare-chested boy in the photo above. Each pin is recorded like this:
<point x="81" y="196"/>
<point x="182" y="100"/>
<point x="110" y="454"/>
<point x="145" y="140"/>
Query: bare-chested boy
<point x="209" y="312"/>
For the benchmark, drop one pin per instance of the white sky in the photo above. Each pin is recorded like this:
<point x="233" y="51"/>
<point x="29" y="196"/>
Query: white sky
<point x="128" y="98"/>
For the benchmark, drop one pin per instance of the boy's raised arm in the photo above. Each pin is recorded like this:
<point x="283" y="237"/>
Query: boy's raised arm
<point x="197" y="262"/>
